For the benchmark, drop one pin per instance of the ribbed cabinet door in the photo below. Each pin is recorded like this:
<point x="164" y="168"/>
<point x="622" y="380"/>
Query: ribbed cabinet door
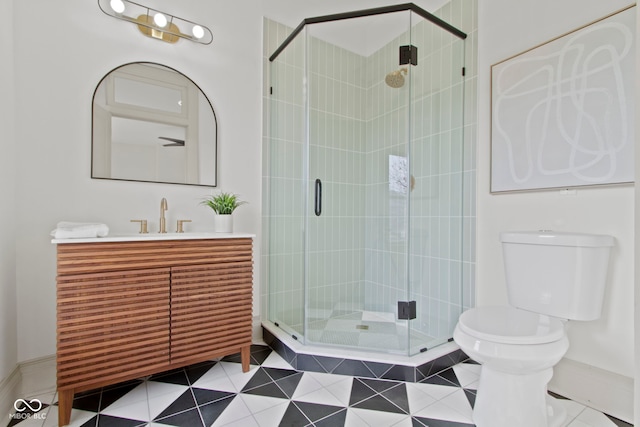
<point x="112" y="325"/>
<point x="211" y="308"/>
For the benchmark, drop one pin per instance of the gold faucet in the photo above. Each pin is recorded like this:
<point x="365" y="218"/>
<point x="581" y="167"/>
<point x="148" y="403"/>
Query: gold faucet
<point x="163" y="208"/>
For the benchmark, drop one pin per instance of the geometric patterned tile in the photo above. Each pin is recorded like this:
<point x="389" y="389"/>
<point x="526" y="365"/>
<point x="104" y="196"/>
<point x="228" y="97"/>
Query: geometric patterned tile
<point x="274" y="360"/>
<point x="441" y="411"/>
<point x="335" y="419"/>
<point x="269" y="390"/>
<point x="211" y="411"/>
<point x="617" y="422"/>
<point x="365" y="418"/>
<point x="183" y="403"/>
<point x="132" y="405"/>
<point x="466" y="374"/>
<point x="109" y="421"/>
<point x="417" y="397"/>
<point x="272" y="393"/>
<point x="257" y="404"/>
<point x="592" y="417"/>
<point x="429" y="422"/>
<point x="388" y="396"/>
<point x="204" y="396"/>
<point x="273" y="382"/>
<point x="459" y="402"/>
<point x="190" y="417"/>
<point x="341" y="390"/>
<point x="471" y="396"/>
<point x="234" y="374"/>
<point x="161" y="395"/>
<point x="321" y="397"/>
<point x="259" y="379"/>
<point x="293" y="416"/>
<point x="308" y="412"/>
<point x="177" y="376"/>
<point x="236" y="410"/>
<point x="195" y="372"/>
<point x="440" y="381"/>
<point x="88" y="402"/>
<point x="267" y="411"/>
<point x="138" y="411"/>
<point x="258" y="354"/>
<point x="216" y="379"/>
<point x="450" y="376"/>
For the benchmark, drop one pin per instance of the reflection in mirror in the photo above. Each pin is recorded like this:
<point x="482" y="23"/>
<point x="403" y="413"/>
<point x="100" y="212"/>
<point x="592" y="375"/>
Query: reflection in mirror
<point x="152" y="123"/>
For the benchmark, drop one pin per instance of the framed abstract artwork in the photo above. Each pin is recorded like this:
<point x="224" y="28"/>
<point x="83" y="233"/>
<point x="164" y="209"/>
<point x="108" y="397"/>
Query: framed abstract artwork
<point x="562" y="113"/>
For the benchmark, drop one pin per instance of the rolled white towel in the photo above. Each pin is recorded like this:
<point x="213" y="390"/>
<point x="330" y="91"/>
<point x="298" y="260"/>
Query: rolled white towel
<point x="78" y="230"/>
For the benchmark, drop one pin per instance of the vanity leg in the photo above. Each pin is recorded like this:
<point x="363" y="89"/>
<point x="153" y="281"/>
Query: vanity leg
<point x="245" y="356"/>
<point x="65" y="402"/>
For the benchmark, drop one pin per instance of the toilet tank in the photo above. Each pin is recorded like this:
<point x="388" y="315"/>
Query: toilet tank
<point x="559" y="274"/>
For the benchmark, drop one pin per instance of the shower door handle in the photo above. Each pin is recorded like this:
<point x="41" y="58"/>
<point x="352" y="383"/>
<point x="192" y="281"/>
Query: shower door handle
<point x="318" y="198"/>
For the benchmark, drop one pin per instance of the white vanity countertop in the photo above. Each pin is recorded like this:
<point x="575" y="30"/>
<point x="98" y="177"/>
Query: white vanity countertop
<point x="155" y="236"/>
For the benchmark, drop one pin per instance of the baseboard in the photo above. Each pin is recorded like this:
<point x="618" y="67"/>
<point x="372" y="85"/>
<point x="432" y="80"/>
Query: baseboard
<point x="256" y="331"/>
<point x="602" y="390"/>
<point x="38" y="376"/>
<point x="28" y="379"/>
<point x="9" y="392"/>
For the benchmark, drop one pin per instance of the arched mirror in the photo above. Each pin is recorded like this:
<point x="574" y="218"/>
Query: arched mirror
<point x="151" y="123"/>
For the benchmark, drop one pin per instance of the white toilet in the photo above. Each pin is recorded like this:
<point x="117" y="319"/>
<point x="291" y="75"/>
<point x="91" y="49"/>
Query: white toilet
<point x="551" y="277"/>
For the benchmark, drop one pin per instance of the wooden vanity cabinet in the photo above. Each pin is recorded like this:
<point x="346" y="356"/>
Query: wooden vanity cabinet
<point x="130" y="309"/>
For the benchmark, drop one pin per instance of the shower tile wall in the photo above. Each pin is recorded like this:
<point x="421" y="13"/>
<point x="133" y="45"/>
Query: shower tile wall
<point x="337" y="156"/>
<point x="356" y="123"/>
<point x="387" y="142"/>
<point x="463" y="14"/>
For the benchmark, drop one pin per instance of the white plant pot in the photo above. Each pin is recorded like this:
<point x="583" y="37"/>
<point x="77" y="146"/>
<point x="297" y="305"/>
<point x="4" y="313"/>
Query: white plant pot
<point x="223" y="223"/>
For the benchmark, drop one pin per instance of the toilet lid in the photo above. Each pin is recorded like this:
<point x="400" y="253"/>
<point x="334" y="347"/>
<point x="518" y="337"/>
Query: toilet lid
<point x="510" y="325"/>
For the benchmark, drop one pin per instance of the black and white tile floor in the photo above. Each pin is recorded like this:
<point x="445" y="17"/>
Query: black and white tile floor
<point x="218" y="393"/>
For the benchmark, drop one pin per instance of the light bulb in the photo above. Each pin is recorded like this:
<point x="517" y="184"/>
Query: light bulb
<point x="197" y="31"/>
<point x="160" y="20"/>
<point x="117" y="6"/>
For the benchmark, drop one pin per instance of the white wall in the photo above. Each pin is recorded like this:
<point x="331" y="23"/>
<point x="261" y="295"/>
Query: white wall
<point x="636" y="234"/>
<point x="62" y="52"/>
<point x="8" y="309"/>
<point x="507" y="28"/>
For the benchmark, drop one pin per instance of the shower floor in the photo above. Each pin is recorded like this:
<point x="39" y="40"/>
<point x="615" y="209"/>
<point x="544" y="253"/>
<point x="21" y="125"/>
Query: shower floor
<point x="365" y="330"/>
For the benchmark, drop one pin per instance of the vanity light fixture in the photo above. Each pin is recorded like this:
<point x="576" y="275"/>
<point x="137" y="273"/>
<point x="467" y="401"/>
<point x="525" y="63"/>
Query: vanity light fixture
<point x="156" y="24"/>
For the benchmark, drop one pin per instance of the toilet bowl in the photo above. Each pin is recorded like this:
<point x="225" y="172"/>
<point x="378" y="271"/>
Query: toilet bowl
<point x="549" y="276"/>
<point x="517" y="350"/>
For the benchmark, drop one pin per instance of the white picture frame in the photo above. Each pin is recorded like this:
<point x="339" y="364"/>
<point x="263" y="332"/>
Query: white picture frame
<point x="562" y="113"/>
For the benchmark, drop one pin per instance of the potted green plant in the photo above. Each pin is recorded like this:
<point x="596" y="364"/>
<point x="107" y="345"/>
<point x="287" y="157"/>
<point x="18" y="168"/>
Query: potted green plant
<point x="223" y="204"/>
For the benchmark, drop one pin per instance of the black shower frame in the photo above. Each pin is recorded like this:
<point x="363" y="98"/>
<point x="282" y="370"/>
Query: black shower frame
<point x="369" y="12"/>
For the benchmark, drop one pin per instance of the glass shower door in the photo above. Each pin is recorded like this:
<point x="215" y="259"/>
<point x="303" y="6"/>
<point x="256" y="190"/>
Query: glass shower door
<point x="286" y="192"/>
<point x="358" y="170"/>
<point x="437" y="159"/>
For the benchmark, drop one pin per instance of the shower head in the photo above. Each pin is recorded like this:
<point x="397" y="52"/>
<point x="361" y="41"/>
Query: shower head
<point x="395" y="79"/>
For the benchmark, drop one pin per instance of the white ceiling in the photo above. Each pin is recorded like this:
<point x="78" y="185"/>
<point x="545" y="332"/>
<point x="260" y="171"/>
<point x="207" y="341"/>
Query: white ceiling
<point x="363" y="36"/>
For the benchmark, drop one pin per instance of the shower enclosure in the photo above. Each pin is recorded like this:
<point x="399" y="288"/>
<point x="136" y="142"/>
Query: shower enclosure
<point x="364" y="180"/>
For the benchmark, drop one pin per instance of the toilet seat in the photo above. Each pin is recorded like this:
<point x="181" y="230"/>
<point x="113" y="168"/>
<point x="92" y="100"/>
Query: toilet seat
<point x="510" y="325"/>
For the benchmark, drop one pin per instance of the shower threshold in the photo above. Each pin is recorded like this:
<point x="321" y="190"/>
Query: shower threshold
<point x="343" y="361"/>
